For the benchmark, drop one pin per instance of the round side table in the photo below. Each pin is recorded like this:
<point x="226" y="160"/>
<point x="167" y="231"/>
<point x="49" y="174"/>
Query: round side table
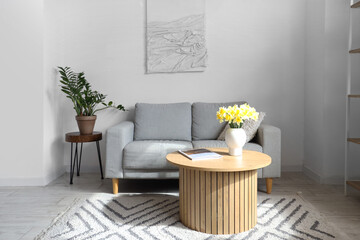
<point x="75" y="137"/>
<point x="219" y="196"/>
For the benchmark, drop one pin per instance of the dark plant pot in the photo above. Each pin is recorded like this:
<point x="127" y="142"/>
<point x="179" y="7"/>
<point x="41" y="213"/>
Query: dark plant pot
<point x="86" y="124"/>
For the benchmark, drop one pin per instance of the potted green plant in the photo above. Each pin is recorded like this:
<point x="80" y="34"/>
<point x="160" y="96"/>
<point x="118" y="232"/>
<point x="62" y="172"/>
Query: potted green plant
<point x="85" y="100"/>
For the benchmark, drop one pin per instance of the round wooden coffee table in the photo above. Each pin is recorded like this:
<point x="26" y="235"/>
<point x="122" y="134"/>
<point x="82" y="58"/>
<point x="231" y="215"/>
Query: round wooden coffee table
<point x="219" y="196"/>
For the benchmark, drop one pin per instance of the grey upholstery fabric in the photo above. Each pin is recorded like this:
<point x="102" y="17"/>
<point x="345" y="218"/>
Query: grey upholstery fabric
<point x="151" y="174"/>
<point x="209" y="144"/>
<point x="222" y="144"/>
<point x="126" y="158"/>
<point x="205" y="125"/>
<point x="269" y="137"/>
<point x="151" y="155"/>
<point x="163" y="121"/>
<point x="250" y="127"/>
<point x="117" y="138"/>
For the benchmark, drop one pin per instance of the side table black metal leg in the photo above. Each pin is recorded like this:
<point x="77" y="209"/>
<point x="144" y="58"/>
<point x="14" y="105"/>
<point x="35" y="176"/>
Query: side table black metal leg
<point x="99" y="155"/>
<point x="79" y="161"/>
<point x="74" y="162"/>
<point x="71" y="160"/>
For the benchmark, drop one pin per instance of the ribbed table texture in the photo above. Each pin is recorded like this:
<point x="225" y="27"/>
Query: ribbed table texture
<point x="219" y="196"/>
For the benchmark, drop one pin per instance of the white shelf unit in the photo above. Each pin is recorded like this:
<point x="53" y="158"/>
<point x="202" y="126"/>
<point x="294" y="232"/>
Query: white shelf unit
<point x="350" y="140"/>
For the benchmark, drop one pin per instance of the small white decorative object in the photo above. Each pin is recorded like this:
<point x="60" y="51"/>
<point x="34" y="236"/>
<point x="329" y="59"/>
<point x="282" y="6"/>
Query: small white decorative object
<point x="235" y="136"/>
<point x="235" y="139"/>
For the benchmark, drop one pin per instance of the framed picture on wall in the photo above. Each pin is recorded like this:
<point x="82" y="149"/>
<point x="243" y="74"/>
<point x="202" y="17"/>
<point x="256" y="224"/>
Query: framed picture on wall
<point x="176" y="36"/>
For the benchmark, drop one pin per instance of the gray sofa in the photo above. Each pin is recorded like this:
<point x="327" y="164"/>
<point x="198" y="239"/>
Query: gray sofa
<point x="138" y="149"/>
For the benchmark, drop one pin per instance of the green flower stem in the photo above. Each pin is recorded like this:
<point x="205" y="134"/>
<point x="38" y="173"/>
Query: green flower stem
<point x="235" y="125"/>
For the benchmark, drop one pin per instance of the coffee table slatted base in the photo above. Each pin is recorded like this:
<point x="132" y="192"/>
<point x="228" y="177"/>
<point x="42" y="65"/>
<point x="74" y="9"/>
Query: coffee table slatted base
<point x="218" y="202"/>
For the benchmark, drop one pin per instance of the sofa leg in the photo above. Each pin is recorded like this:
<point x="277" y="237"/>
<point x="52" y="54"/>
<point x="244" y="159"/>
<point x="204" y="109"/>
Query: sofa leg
<point x="268" y="185"/>
<point x="115" y="183"/>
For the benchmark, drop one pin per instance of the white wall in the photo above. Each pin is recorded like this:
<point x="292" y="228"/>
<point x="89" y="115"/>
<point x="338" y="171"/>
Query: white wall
<point x="21" y="65"/>
<point x="286" y="58"/>
<point x="53" y="147"/>
<point x="256" y="53"/>
<point x="325" y="89"/>
<point x="314" y="85"/>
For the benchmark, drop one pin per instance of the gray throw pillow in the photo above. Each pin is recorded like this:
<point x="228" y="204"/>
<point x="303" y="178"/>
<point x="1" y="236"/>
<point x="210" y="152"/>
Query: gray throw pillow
<point x="250" y="127"/>
<point x="205" y="125"/>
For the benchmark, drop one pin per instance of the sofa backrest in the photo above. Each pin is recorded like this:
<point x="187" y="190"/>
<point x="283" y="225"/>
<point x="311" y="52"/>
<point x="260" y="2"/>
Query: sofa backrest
<point x="163" y="121"/>
<point x="205" y="125"/>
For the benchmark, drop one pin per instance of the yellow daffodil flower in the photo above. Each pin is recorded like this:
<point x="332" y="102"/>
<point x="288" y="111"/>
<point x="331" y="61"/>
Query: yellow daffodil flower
<point x="235" y="115"/>
<point x="222" y="111"/>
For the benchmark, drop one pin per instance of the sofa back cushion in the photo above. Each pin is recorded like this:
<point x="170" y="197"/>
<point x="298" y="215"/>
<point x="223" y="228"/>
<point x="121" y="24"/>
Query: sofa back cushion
<point x="205" y="125"/>
<point x="163" y="121"/>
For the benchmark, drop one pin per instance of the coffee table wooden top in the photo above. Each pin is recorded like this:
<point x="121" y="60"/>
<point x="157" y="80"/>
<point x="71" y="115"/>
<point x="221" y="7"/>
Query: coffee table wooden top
<point x="251" y="160"/>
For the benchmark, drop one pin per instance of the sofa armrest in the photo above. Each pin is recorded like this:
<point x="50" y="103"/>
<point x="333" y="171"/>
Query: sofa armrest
<point x="269" y="137"/>
<point x="117" y="137"/>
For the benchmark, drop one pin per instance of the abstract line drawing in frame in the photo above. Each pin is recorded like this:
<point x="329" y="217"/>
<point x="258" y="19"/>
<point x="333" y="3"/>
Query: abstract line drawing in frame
<point x="176" y="36"/>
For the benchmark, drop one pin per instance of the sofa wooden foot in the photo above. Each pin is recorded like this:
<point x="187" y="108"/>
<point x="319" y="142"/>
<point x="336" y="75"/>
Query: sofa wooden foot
<point x="268" y="185"/>
<point x="115" y="183"/>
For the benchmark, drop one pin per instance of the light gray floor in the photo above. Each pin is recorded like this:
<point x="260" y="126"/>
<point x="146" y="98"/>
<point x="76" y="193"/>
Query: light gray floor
<point x="25" y="211"/>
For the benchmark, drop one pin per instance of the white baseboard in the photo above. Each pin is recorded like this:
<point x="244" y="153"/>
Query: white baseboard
<point x="23" y="182"/>
<point x="293" y="168"/>
<point x="333" y="181"/>
<point x="86" y="168"/>
<point x="311" y="174"/>
<point x="30" y="182"/>
<point x="323" y="180"/>
<point x="51" y="177"/>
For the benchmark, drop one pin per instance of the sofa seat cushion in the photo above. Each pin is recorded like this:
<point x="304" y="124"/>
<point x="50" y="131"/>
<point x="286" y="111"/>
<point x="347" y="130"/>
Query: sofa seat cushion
<point x="163" y="121"/>
<point x="205" y="125"/>
<point x="143" y="155"/>
<point x="221" y="144"/>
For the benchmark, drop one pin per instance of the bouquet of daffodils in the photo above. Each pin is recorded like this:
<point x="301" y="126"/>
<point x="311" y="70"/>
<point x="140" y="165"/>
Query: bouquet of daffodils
<point x="236" y="115"/>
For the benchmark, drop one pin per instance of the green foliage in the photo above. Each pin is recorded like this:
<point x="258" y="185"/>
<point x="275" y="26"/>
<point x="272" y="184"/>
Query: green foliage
<point x="235" y="125"/>
<point x="79" y="91"/>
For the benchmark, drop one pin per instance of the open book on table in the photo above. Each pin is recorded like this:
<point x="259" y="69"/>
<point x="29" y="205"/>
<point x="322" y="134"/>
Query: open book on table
<point x="200" y="154"/>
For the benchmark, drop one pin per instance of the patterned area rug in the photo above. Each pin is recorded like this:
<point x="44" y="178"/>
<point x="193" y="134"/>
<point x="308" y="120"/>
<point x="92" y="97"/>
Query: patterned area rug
<point x="156" y="217"/>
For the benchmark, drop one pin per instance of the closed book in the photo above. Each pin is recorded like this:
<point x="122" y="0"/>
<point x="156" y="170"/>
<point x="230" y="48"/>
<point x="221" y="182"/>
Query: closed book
<point x="200" y="154"/>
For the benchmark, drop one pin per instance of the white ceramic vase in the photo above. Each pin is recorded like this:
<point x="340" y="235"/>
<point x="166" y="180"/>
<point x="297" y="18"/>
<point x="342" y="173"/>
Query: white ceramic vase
<point x="235" y="139"/>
